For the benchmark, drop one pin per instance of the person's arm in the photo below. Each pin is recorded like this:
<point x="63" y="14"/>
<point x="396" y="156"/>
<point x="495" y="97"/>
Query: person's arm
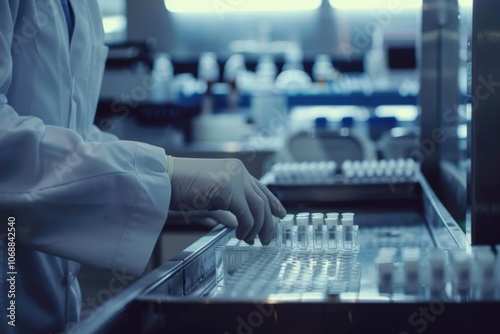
<point x="104" y="136"/>
<point x="103" y="204"/>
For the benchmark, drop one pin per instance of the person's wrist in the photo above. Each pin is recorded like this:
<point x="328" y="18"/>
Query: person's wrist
<point x="170" y="166"/>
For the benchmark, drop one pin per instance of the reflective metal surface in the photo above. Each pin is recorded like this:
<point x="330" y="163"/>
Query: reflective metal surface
<point x="192" y="269"/>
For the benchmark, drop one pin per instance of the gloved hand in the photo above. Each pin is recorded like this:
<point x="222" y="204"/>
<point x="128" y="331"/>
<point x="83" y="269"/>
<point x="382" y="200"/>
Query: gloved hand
<point x="224" y="184"/>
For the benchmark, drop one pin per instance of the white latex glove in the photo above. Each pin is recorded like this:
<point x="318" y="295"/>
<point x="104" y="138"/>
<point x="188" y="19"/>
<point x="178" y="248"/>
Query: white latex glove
<point x="224" y="184"/>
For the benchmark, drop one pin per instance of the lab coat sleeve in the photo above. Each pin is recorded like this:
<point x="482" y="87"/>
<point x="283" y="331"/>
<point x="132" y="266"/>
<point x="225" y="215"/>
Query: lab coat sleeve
<point x="102" y="135"/>
<point x="102" y="203"/>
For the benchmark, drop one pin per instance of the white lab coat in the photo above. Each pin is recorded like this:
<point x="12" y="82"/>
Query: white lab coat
<point x="76" y="193"/>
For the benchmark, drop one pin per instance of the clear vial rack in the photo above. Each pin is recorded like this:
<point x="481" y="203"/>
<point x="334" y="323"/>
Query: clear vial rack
<point x="299" y="260"/>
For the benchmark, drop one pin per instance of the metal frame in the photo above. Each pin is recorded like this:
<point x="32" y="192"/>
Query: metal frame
<point x="485" y="123"/>
<point x="440" y="98"/>
<point x="192" y="269"/>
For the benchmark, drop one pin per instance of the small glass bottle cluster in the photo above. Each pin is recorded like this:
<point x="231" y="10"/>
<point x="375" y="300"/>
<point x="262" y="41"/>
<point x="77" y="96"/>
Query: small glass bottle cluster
<point x="437" y="273"/>
<point x="400" y="169"/>
<point x="304" y="172"/>
<point x="317" y="231"/>
<point x="320" y="172"/>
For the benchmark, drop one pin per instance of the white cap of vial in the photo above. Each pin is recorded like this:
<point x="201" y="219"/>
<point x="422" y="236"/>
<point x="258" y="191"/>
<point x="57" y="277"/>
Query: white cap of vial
<point x="287" y="222"/>
<point x="346" y="164"/>
<point x="317" y="219"/>
<point x="461" y="261"/>
<point x="409" y="251"/>
<point x="479" y="250"/>
<point x="411" y="261"/>
<point x="437" y="258"/>
<point x="302" y="218"/>
<point x="332" y="219"/>
<point x="485" y="258"/>
<point x="348" y="219"/>
<point x="387" y="252"/>
<point x="457" y="254"/>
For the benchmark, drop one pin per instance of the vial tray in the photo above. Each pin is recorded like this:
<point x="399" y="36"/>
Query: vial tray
<point x="352" y="180"/>
<point x="270" y="272"/>
<point x="309" y="253"/>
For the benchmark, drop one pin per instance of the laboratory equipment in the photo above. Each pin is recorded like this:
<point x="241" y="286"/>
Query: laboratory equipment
<point x="208" y="67"/>
<point x="234" y="70"/>
<point x="162" y="74"/>
<point x="323" y="70"/>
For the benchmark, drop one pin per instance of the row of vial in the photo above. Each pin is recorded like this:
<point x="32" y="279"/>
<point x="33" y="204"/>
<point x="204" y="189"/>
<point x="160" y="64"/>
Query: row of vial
<point x="309" y="171"/>
<point x="317" y="231"/>
<point x="400" y="168"/>
<point x="474" y="274"/>
<point x="324" y="171"/>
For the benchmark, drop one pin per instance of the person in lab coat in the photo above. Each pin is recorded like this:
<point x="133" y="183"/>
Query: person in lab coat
<point x="76" y="194"/>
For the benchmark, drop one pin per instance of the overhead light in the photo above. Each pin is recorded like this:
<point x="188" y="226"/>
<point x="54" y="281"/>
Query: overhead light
<point x="391" y="5"/>
<point x="465" y="3"/>
<point x="238" y="6"/>
<point x="462" y="131"/>
<point x="114" y="23"/>
<point x="404" y="113"/>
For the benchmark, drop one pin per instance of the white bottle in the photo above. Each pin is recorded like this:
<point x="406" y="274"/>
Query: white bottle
<point x="163" y="72"/>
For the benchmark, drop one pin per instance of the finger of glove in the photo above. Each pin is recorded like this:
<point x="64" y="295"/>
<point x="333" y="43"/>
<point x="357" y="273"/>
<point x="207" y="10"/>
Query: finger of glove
<point x="277" y="208"/>
<point x="239" y="207"/>
<point x="267" y="229"/>
<point x="256" y="202"/>
<point x="225" y="218"/>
